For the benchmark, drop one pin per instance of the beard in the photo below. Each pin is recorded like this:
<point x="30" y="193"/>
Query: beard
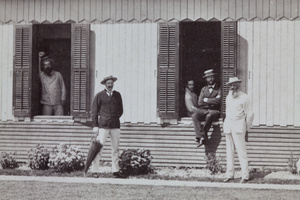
<point x="234" y="93"/>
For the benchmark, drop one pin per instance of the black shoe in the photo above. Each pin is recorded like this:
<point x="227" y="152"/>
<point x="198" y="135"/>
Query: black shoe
<point x="227" y="180"/>
<point x="197" y="139"/>
<point x="119" y="175"/>
<point x="96" y="175"/>
<point x="201" y="142"/>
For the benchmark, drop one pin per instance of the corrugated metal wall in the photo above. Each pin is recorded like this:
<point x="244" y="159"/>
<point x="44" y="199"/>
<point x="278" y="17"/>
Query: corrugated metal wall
<point x="6" y="71"/>
<point x="270" y="51"/>
<point x="129" y="52"/>
<point x="140" y="10"/>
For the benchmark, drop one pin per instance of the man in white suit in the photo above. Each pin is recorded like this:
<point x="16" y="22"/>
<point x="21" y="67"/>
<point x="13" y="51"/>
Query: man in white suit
<point x="239" y="118"/>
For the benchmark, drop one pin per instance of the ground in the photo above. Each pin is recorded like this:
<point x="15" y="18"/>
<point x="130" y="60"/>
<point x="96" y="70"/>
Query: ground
<point x="46" y="190"/>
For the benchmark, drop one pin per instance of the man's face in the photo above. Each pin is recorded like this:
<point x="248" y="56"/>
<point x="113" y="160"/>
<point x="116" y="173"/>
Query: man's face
<point x="47" y="67"/>
<point x="210" y="80"/>
<point x="234" y="88"/>
<point x="109" y="84"/>
<point x="190" y="85"/>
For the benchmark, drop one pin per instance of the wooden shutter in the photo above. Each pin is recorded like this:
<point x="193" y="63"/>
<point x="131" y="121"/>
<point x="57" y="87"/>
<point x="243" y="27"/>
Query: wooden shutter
<point x="229" y="55"/>
<point x="168" y="68"/>
<point x="22" y="71"/>
<point x="80" y="70"/>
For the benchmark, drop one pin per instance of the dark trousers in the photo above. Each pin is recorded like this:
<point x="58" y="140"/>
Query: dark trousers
<point x="204" y="115"/>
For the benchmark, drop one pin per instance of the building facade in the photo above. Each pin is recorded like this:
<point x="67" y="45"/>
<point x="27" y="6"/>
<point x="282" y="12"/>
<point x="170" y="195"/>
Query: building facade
<point x="152" y="46"/>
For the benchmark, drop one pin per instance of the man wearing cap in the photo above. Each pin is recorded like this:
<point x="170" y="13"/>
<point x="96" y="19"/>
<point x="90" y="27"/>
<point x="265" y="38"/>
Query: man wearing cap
<point x="239" y="117"/>
<point x="209" y="106"/>
<point x="108" y="105"/>
<point x="53" y="88"/>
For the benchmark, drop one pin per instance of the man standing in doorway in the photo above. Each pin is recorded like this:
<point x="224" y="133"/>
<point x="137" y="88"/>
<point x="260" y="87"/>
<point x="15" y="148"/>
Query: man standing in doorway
<point x="209" y="104"/>
<point x="108" y="105"/>
<point x="239" y="118"/>
<point x="53" y="88"/>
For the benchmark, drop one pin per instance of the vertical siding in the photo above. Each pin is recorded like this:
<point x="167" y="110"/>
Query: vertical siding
<point x="139" y="10"/>
<point x="6" y="71"/>
<point x="274" y="68"/>
<point x="128" y="51"/>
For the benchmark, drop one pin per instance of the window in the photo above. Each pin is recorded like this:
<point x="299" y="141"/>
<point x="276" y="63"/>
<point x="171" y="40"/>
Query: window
<point x="73" y="40"/>
<point x="179" y="55"/>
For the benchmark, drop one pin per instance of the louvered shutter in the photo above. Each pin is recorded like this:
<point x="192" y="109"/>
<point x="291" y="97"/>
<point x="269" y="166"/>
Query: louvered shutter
<point x="168" y="68"/>
<point x="80" y="70"/>
<point x="229" y="52"/>
<point x="22" y="71"/>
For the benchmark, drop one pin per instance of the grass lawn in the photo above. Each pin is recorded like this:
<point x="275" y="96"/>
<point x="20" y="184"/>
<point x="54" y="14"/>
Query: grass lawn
<point x="169" y="174"/>
<point x="49" y="190"/>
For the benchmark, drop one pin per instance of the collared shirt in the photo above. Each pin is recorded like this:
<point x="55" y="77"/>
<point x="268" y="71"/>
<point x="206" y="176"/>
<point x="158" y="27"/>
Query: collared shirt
<point x="109" y="93"/>
<point x="53" y="89"/>
<point x="211" y="88"/>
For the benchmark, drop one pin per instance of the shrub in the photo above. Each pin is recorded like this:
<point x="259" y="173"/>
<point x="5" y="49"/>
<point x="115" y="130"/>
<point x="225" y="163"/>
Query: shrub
<point x="38" y="157"/>
<point x="135" y="161"/>
<point x="8" y="160"/>
<point x="292" y="164"/>
<point x="66" y="158"/>
<point x="213" y="164"/>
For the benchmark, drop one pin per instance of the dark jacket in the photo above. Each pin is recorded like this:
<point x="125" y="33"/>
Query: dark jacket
<point x="110" y="110"/>
<point x="214" y="98"/>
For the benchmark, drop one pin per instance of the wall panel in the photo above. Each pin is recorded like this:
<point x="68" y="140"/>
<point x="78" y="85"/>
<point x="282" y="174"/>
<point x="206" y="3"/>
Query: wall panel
<point x="296" y="74"/>
<point x="272" y="62"/>
<point x="128" y="51"/>
<point x="6" y="68"/>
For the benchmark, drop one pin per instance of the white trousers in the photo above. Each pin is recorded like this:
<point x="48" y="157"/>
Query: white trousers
<point x="115" y="140"/>
<point x="236" y="140"/>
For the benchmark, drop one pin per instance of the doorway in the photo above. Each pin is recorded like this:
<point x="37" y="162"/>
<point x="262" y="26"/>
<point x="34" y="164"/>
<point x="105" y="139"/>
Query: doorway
<point x="55" y="41"/>
<point x="200" y="50"/>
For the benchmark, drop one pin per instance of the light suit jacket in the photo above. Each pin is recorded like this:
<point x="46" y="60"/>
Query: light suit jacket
<point x="239" y="115"/>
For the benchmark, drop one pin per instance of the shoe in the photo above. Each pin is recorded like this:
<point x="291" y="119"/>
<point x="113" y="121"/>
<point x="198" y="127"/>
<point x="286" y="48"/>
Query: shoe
<point x="201" y="142"/>
<point x="244" y="181"/>
<point x="197" y="139"/>
<point x="95" y="175"/>
<point x="119" y="175"/>
<point x="227" y="180"/>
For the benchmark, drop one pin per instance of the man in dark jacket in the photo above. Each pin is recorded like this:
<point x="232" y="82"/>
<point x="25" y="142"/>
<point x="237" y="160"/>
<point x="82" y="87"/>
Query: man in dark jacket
<point x="209" y="105"/>
<point x="108" y="105"/>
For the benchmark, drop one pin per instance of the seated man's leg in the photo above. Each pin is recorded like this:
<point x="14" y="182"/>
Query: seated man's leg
<point x="47" y="109"/>
<point x="197" y="117"/>
<point x="212" y="115"/>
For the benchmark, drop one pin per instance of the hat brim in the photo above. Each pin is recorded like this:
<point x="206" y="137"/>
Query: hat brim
<point x="104" y="81"/>
<point x="207" y="75"/>
<point x="237" y="81"/>
<point x="47" y="59"/>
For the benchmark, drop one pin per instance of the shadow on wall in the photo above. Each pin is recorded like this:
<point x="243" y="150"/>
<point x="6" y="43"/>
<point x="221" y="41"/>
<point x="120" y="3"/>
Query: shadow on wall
<point x="92" y="66"/>
<point x="242" y="62"/>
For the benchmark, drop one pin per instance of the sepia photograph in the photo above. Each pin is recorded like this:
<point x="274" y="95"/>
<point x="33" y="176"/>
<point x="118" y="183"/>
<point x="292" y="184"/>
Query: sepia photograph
<point x="150" y="99"/>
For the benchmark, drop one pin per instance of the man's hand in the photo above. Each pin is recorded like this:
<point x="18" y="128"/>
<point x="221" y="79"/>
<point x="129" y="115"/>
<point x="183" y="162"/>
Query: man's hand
<point x="205" y="99"/>
<point x="95" y="130"/>
<point x="246" y="136"/>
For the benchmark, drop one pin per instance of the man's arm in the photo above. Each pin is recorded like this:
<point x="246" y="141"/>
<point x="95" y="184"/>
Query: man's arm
<point x="216" y="100"/>
<point x="249" y="113"/>
<point x="95" y="109"/>
<point x="120" y="106"/>
<point x="189" y="104"/>
<point x="63" y="88"/>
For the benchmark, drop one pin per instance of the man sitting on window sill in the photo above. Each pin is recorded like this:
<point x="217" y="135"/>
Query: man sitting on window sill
<point x="208" y="107"/>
